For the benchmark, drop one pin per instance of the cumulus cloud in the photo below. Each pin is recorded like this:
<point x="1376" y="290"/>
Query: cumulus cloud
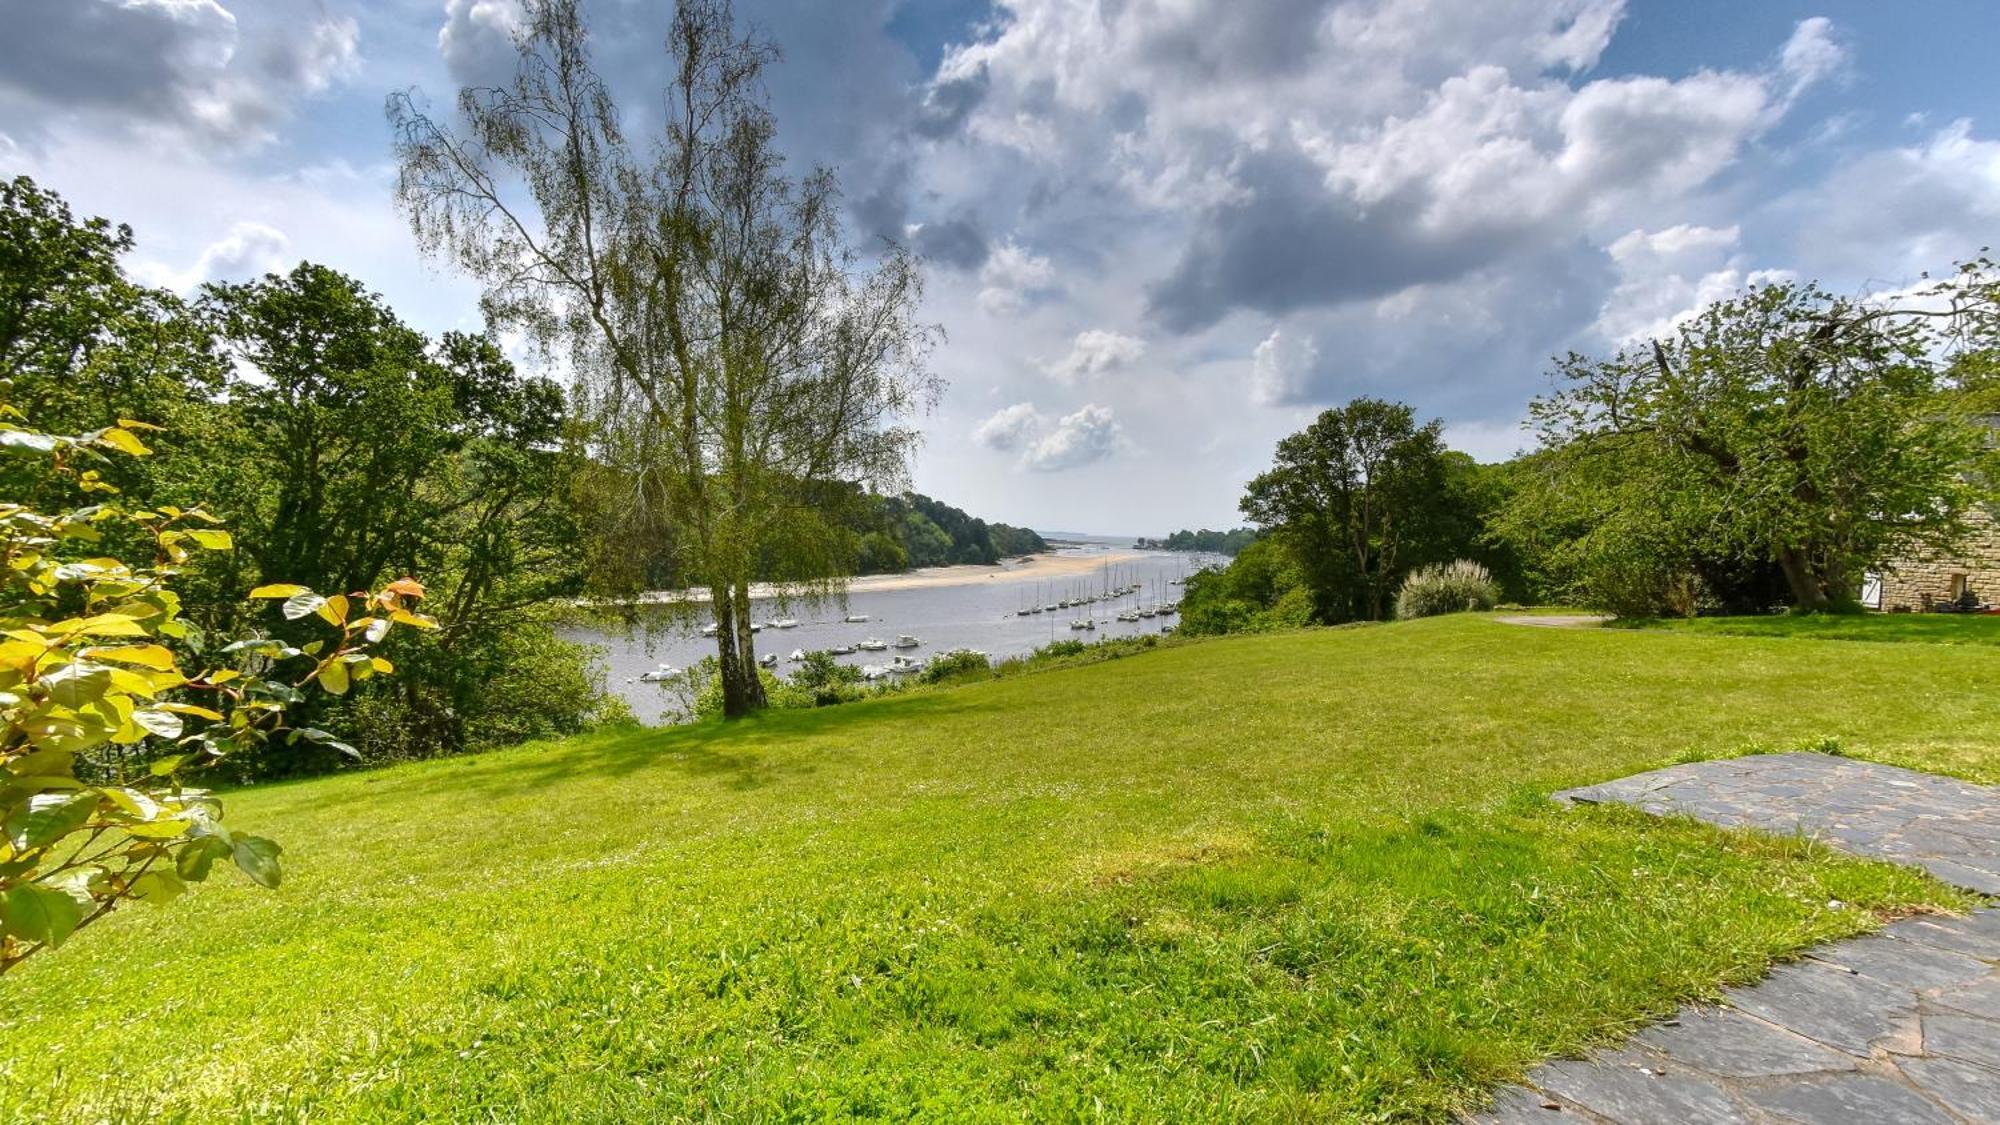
<point x="187" y="65"/>
<point x="1891" y="214"/>
<point x="1011" y="277"/>
<point x="477" y="40"/>
<point x="1009" y="427"/>
<point x="1323" y="154"/>
<point x="1091" y="434"/>
<point x="247" y="250"/>
<point x="1095" y="352"/>
<point x="1281" y="367"/>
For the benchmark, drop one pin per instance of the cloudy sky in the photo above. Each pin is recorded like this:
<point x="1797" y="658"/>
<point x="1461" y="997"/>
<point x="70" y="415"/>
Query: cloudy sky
<point x="1161" y="233"/>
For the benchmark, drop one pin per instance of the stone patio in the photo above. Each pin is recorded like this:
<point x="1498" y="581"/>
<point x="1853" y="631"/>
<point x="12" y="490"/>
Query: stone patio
<point x="1900" y="1026"/>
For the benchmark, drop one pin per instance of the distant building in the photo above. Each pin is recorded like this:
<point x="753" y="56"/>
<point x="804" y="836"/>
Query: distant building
<point x="1932" y="581"/>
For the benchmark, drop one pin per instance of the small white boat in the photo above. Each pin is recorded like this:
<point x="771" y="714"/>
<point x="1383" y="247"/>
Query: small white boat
<point x="842" y="650"/>
<point x="784" y="623"/>
<point x="904" y="640"/>
<point x="768" y="660"/>
<point x="659" y="675"/>
<point x="1129" y="615"/>
<point x="709" y="630"/>
<point x="756" y="628"/>
<point x="874" y="671"/>
<point x="856" y="618"/>
<point x="903" y="665"/>
<point x="798" y="654"/>
<point x="872" y="645"/>
<point x="1079" y="626"/>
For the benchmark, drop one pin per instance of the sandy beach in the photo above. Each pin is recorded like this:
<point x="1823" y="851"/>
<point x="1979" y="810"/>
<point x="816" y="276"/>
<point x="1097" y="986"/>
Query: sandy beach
<point x="1046" y="567"/>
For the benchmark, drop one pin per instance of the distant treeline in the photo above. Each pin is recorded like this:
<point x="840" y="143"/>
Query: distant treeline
<point x="1229" y="543"/>
<point x="900" y="532"/>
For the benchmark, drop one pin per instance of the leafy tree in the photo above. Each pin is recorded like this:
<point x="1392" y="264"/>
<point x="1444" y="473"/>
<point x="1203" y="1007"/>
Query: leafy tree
<point x="733" y="357"/>
<point x="100" y="726"/>
<point x="1358" y="497"/>
<point x="366" y="450"/>
<point x="1786" y="427"/>
<point x="1229" y="543"/>
<point x="79" y="342"/>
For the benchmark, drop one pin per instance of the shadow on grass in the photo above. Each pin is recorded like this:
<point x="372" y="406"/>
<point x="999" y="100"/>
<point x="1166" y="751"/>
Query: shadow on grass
<point x="742" y="754"/>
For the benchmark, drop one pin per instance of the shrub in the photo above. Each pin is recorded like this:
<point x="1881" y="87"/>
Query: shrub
<point x="111" y="703"/>
<point x="827" y="680"/>
<point x="1448" y="588"/>
<point x="962" y="664"/>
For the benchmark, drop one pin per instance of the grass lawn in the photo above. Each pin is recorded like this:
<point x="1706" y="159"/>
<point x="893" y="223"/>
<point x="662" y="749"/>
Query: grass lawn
<point x="1305" y="875"/>
<point x="1931" y="628"/>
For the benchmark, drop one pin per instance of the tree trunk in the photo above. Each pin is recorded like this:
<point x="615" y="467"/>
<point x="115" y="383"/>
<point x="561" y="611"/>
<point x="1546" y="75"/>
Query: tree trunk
<point x="1807" y="592"/>
<point x="728" y="658"/>
<point x="751" y="696"/>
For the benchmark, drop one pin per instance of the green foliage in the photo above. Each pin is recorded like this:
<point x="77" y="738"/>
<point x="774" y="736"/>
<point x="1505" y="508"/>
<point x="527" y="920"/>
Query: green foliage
<point x="1262" y="589"/>
<point x="1359" y="498"/>
<point x="1229" y="543"/>
<point x="360" y="450"/>
<point x="100" y="727"/>
<point x="933" y="533"/>
<point x="1454" y="587"/>
<point x="959" y="666"/>
<point x="1786" y="431"/>
<point x="828" y="680"/>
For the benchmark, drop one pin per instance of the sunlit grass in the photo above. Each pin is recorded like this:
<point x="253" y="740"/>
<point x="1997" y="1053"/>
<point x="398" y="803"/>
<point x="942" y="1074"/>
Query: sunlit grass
<point x="1306" y="875"/>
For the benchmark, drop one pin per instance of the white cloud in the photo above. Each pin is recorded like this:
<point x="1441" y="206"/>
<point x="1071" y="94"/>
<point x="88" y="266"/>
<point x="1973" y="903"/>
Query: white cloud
<point x="1281" y="367"/>
<point x="191" y="67"/>
<point x="249" y="249"/>
<point x="477" y="40"/>
<point x="1666" y="276"/>
<point x="1090" y="434"/>
<point x="1095" y="352"/>
<point x="1813" y="54"/>
<point x="1008" y="428"/>
<point x="1010" y="277"/>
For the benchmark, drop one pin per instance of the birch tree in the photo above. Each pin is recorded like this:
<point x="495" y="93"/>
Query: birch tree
<point x="735" y="358"/>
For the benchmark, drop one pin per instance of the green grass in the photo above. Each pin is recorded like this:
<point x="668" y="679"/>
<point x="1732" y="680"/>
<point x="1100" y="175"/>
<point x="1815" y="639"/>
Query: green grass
<point x="1304" y="875"/>
<point x="1926" y="628"/>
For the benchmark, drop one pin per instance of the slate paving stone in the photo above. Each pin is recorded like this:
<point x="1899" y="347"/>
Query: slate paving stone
<point x="1957" y="935"/>
<point x="1970" y="1091"/>
<point x="1965" y="1038"/>
<point x="1980" y="999"/>
<point x="1729" y="1044"/>
<point x="1903" y="963"/>
<point x="1903" y="1026"/>
<point x="1840" y="1009"/>
<point x="1622" y="1092"/>
<point x="1845" y="1099"/>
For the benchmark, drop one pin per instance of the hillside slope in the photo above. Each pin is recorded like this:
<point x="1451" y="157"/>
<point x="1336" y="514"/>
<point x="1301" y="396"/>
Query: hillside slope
<point x="1306" y="874"/>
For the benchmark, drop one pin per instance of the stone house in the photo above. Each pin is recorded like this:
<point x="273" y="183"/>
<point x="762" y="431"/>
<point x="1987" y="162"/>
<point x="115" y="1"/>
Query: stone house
<point x="1931" y="581"/>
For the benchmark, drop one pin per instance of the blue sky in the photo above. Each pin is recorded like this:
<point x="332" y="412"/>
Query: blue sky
<point x="1161" y="233"/>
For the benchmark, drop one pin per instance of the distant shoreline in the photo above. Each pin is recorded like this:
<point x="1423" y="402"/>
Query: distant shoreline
<point x="1045" y="567"/>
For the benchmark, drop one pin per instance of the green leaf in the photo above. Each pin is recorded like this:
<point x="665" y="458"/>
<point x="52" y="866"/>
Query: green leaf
<point x="279" y="590"/>
<point x="158" y="887"/>
<point x="78" y="684"/>
<point x="163" y="724"/>
<point x="192" y="862"/>
<point x="35" y="913"/>
<point x="333" y="678"/>
<point x="258" y="858"/>
<point x="301" y="604"/>
<point x="47" y="817"/>
<point x="211" y="538"/>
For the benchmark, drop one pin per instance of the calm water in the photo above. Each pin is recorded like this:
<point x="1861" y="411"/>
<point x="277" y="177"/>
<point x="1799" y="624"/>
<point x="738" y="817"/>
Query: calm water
<point x="978" y="615"/>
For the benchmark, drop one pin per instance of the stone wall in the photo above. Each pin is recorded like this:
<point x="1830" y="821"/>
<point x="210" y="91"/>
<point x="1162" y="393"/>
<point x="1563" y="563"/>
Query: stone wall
<point x="1924" y="582"/>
